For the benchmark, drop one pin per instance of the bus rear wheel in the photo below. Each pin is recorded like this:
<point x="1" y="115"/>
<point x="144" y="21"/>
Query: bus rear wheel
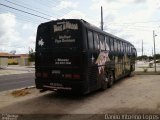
<point x="110" y="79"/>
<point x="104" y="83"/>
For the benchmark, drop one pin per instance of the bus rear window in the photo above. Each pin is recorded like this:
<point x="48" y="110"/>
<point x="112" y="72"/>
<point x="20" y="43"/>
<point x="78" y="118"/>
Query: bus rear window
<point x="59" y="34"/>
<point x="66" y="34"/>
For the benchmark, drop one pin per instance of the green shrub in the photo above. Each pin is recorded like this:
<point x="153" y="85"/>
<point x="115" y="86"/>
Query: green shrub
<point x="13" y="63"/>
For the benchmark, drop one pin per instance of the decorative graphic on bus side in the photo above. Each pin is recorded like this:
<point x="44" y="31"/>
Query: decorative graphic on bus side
<point x="101" y="60"/>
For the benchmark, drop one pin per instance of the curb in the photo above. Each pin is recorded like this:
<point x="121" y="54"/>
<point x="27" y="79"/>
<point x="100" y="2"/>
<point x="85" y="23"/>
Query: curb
<point x="147" y="73"/>
<point x="29" y="87"/>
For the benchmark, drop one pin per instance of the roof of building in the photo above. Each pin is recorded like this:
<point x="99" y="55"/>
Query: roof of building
<point x="3" y="54"/>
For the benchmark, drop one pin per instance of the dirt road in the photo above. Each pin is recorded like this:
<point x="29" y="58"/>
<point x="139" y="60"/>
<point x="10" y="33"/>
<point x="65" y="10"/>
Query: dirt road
<point x="137" y="94"/>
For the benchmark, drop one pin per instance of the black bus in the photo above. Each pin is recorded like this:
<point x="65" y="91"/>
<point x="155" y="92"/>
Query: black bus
<point x="73" y="55"/>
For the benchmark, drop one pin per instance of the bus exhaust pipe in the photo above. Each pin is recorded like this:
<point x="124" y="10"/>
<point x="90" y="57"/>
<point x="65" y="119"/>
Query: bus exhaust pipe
<point x="43" y="90"/>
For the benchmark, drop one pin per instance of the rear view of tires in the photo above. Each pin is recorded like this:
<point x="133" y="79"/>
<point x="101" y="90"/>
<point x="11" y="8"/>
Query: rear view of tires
<point x="107" y="81"/>
<point x="104" y="83"/>
<point x="110" y="79"/>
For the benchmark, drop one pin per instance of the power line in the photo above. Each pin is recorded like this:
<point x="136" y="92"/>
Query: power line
<point x="136" y="22"/>
<point x="21" y="17"/>
<point x="27" y="8"/>
<point x="24" y="11"/>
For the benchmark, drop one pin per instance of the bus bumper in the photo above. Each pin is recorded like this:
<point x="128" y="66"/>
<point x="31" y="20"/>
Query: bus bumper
<point x="66" y="85"/>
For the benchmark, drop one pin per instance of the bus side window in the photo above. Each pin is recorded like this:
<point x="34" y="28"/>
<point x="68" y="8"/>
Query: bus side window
<point x="120" y="50"/>
<point x="124" y="47"/>
<point x="121" y="46"/>
<point x="115" y="45"/>
<point x="127" y="48"/>
<point x="107" y="43"/>
<point x="90" y="40"/>
<point x="102" y="42"/>
<point x="111" y="44"/>
<point x="96" y="41"/>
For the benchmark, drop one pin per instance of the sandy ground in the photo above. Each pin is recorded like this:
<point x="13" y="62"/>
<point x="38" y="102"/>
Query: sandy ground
<point x="137" y="94"/>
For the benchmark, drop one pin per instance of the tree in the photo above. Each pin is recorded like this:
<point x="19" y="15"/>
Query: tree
<point x="157" y="56"/>
<point x="31" y="55"/>
<point x="144" y="57"/>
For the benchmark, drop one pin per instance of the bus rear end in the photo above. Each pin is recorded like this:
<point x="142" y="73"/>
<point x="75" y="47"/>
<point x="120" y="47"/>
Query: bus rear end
<point x="59" y="56"/>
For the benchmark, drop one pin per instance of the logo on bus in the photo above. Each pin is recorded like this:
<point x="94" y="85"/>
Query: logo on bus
<point x="40" y="42"/>
<point x="64" y="26"/>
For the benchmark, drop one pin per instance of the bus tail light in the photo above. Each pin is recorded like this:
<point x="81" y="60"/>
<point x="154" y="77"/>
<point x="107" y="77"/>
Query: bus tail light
<point x="76" y="76"/>
<point x="45" y="75"/>
<point x="38" y="74"/>
<point x="68" y="75"/>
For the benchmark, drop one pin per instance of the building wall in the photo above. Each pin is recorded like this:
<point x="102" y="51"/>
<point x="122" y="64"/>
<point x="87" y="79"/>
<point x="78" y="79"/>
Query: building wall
<point x="12" y="60"/>
<point x="3" y="61"/>
<point x="23" y="61"/>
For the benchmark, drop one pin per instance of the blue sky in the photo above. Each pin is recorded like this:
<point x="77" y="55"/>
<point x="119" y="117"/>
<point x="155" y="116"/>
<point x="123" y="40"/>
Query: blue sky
<point x="133" y="20"/>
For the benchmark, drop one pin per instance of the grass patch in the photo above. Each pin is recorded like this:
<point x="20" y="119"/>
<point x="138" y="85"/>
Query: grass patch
<point x="20" y="93"/>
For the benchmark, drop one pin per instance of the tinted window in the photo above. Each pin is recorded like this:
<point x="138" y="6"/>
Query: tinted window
<point x="115" y="44"/>
<point x="124" y="47"/>
<point x="111" y="44"/>
<point x="102" y="42"/>
<point x="96" y="41"/>
<point x="107" y="43"/>
<point x="64" y="34"/>
<point x="90" y="40"/>
<point x="119" y="47"/>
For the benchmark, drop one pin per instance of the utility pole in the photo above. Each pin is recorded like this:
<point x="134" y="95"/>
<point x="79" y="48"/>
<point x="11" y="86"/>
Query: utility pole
<point x="154" y="50"/>
<point x="101" y="18"/>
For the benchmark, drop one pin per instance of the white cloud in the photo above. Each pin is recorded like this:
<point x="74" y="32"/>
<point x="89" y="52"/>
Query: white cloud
<point x="130" y="19"/>
<point x="74" y="14"/>
<point x="27" y="26"/>
<point x="7" y="31"/>
<point x="11" y="35"/>
<point x="66" y="4"/>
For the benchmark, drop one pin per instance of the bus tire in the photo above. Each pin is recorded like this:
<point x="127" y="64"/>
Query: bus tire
<point x="110" y="79"/>
<point x="104" y="83"/>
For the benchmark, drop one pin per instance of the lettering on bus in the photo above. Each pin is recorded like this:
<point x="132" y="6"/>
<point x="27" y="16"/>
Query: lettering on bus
<point x="64" y="26"/>
<point x="60" y="61"/>
<point x="64" y="39"/>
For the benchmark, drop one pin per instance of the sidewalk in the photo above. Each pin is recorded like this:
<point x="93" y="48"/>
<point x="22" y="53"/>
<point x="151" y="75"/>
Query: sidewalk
<point x="145" y="69"/>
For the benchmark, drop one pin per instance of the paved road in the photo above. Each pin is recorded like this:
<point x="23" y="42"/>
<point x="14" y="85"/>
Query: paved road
<point x="8" y="82"/>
